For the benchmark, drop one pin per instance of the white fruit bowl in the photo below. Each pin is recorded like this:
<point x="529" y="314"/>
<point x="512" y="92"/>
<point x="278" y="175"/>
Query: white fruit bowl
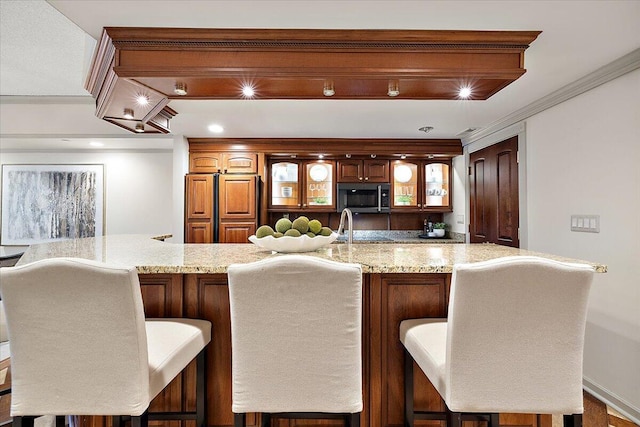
<point x="293" y="244"/>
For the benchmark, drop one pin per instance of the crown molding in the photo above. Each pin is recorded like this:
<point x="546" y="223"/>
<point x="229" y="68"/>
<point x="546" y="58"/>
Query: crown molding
<point x="611" y="71"/>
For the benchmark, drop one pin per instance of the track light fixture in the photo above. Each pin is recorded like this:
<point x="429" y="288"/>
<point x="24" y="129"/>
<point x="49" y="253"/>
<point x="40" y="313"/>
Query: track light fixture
<point x="328" y="89"/>
<point x="128" y="113"/>
<point x="139" y="128"/>
<point x="393" y="88"/>
<point x="180" y="89"/>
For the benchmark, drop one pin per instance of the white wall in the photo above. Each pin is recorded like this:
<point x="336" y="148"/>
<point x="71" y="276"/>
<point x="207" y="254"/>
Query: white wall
<point x="138" y="186"/>
<point x="583" y="157"/>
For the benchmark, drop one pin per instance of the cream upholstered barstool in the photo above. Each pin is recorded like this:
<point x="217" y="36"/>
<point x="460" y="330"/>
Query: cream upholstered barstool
<point x="80" y="344"/>
<point x="512" y="342"/>
<point x="296" y="332"/>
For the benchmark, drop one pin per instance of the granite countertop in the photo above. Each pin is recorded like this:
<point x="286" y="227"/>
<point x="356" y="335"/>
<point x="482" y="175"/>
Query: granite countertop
<point x="152" y="256"/>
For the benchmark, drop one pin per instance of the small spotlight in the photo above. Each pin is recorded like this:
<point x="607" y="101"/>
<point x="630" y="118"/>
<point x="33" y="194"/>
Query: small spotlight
<point x="348" y="156"/>
<point x="465" y="92"/>
<point x="403" y="156"/>
<point x="180" y="89"/>
<point x="393" y="88"/>
<point x="128" y="113"/>
<point x="248" y="91"/>
<point x="328" y="89"/>
<point x="139" y="128"/>
<point x="215" y="128"/>
<point x="321" y="156"/>
<point x="373" y="156"/>
<point x="142" y="100"/>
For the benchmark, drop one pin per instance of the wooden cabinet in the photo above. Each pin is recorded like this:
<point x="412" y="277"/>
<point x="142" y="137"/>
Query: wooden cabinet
<point x="223" y="162"/>
<point x="220" y="208"/>
<point x="302" y="185"/>
<point x="363" y="170"/>
<point x="199" y="208"/>
<point x="421" y="186"/>
<point x="238" y="209"/>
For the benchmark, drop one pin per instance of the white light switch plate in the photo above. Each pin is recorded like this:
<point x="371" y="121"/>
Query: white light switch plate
<point x="585" y="223"/>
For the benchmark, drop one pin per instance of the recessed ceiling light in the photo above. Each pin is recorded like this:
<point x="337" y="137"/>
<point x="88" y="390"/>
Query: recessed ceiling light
<point x="96" y="144"/>
<point x="465" y="92"/>
<point x="142" y="99"/>
<point x="139" y="128"/>
<point x="128" y="113"/>
<point x="215" y="128"/>
<point x="248" y="91"/>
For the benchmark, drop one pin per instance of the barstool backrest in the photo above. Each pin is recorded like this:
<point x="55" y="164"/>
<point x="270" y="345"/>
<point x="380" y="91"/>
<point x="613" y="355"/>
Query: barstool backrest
<point x="296" y="332"/>
<point x="516" y="335"/>
<point x="78" y="341"/>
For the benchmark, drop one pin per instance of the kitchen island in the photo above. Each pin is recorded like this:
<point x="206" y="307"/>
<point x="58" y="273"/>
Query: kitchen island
<point x="400" y="281"/>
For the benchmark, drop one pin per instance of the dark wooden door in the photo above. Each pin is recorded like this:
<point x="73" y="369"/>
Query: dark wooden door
<point x="493" y="194"/>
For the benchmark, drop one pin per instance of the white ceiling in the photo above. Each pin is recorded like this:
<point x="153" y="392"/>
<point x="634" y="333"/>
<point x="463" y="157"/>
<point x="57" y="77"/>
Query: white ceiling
<point x="46" y="48"/>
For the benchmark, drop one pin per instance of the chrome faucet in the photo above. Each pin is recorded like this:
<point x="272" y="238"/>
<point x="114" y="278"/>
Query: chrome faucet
<point x="349" y="215"/>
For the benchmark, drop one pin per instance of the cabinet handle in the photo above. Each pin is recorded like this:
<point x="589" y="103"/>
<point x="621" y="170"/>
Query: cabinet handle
<point x="360" y="178"/>
<point x="225" y="171"/>
<point x="366" y="178"/>
<point x="304" y="205"/>
<point x="298" y="204"/>
<point x="419" y="205"/>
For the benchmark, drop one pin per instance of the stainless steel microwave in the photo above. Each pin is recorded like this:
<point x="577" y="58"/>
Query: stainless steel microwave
<point x="364" y="197"/>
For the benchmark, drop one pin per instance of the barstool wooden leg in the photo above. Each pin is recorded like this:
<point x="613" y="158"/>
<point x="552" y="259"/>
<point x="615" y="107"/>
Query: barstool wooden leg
<point x="353" y="420"/>
<point x="140" y="421"/>
<point x="265" y="420"/>
<point x="494" y="420"/>
<point x="239" y="420"/>
<point x="201" y="389"/>
<point x="408" y="389"/>
<point x="573" y="420"/>
<point x="60" y="421"/>
<point x="454" y="419"/>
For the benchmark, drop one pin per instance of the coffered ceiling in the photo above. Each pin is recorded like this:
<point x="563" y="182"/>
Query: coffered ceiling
<point x="53" y="42"/>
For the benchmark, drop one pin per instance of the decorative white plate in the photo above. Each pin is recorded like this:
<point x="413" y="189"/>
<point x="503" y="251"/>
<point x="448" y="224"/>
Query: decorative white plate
<point x="318" y="173"/>
<point x="293" y="244"/>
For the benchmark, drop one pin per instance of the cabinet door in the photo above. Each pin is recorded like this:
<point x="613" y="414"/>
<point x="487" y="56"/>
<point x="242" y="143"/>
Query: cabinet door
<point x="400" y="297"/>
<point x="236" y="232"/>
<point x="437" y="186"/>
<point x="205" y="162"/>
<point x="319" y="187"/>
<point x="376" y="170"/>
<point x="285" y="185"/>
<point x="237" y="197"/>
<point x="239" y="162"/>
<point x="405" y="186"/>
<point x="350" y="170"/>
<point x="199" y="189"/>
<point x="199" y="232"/>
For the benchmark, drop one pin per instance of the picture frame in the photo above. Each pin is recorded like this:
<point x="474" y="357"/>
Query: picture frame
<point x="47" y="202"/>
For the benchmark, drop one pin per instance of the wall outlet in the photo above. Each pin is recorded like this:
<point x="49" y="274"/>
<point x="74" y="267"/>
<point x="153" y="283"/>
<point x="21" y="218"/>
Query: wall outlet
<point x="285" y="215"/>
<point x="460" y="219"/>
<point x="585" y="223"/>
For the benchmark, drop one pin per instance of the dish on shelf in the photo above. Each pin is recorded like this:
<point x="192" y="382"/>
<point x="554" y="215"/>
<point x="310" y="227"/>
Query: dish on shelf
<point x="318" y="173"/>
<point x="287" y="244"/>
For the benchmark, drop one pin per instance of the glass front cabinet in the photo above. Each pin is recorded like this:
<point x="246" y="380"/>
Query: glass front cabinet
<point x="421" y="185"/>
<point x="302" y="185"/>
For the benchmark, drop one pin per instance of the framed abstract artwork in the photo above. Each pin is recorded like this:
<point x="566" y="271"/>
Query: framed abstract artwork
<point x="44" y="203"/>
